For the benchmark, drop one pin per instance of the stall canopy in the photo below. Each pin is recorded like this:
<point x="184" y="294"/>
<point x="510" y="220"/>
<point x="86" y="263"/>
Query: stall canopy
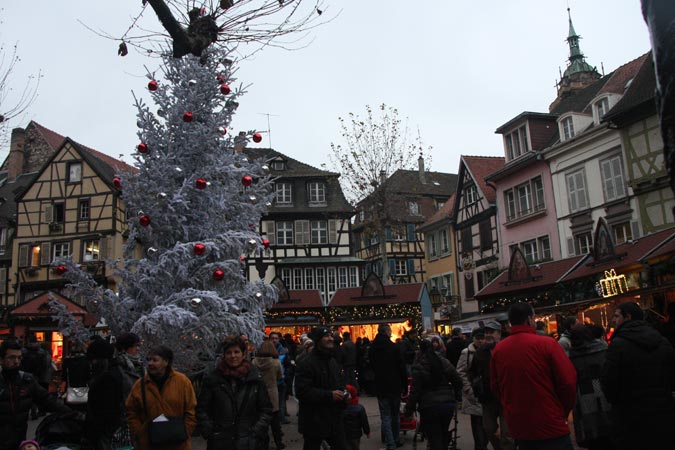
<point x="38" y="307"/>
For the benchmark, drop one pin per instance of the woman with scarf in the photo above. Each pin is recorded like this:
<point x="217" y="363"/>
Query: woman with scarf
<point x="234" y="409"/>
<point x="163" y="391"/>
<point x="435" y="390"/>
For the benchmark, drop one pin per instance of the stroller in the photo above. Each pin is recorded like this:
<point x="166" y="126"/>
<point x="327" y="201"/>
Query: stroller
<point x="61" y="430"/>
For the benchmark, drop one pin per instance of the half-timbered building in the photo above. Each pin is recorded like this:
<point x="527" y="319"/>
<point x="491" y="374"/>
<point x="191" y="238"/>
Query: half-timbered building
<point x="388" y="218"/>
<point x="476" y="227"/>
<point x="308" y="228"/>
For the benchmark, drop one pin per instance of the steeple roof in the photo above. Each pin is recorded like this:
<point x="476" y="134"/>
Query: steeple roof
<point x="577" y="59"/>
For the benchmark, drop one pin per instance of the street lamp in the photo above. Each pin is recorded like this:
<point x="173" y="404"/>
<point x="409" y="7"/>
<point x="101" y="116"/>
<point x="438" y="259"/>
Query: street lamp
<point x="435" y="296"/>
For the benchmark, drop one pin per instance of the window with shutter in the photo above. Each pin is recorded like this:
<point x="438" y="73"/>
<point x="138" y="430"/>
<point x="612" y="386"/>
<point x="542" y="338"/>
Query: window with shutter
<point x="332" y="231"/>
<point x="48" y="215"/>
<point x="24" y="260"/>
<point x="410" y="229"/>
<point x="45" y="256"/>
<point x="3" y="281"/>
<point x="302" y="234"/>
<point x="270" y="232"/>
<point x="103" y="248"/>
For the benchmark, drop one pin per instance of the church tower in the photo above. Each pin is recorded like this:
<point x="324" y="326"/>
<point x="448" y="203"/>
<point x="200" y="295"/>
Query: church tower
<point x="578" y="74"/>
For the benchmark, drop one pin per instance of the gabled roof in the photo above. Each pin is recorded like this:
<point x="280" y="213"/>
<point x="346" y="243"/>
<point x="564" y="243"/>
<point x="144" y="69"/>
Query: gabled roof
<point x="480" y="167"/>
<point x="408" y="182"/>
<point x="295" y="168"/>
<point x="393" y="294"/>
<point x="543" y="274"/>
<point x="39" y="306"/>
<point x="578" y="101"/>
<point x="640" y="95"/>
<point x="444" y="214"/>
<point x="300" y="299"/>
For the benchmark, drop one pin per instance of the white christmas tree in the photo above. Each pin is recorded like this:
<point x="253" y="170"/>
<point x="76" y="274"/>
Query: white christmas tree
<point x="194" y="204"/>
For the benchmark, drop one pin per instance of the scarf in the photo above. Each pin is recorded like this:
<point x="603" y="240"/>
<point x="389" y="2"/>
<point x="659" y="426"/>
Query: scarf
<point x="234" y="372"/>
<point x="130" y="362"/>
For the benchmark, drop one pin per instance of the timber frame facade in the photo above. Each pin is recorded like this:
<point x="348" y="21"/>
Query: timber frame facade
<point x="308" y="227"/>
<point x="476" y="227"/>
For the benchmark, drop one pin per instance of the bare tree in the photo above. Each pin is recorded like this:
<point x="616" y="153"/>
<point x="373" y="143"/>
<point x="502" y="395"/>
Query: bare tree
<point x="374" y="148"/>
<point x="13" y="102"/>
<point x="194" y="25"/>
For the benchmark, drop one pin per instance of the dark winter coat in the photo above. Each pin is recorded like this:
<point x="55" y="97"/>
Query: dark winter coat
<point x="454" y="349"/>
<point x="356" y="421"/>
<point x="234" y="414"/>
<point x="17" y="393"/>
<point x="638" y="379"/>
<point x="316" y="377"/>
<point x="591" y="411"/>
<point x="387" y="363"/>
<point x="105" y="405"/>
<point x="408" y="349"/>
<point x="348" y="354"/>
<point x="535" y="383"/>
<point x="426" y="392"/>
<point x="478" y="374"/>
<point x="36" y="362"/>
<point x="130" y="371"/>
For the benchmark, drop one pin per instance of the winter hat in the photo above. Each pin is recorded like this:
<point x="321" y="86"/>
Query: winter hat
<point x="317" y="333"/>
<point x="493" y="325"/>
<point x="100" y="349"/>
<point x="477" y="332"/>
<point x="353" y="394"/>
<point x="24" y="443"/>
<point x="127" y="340"/>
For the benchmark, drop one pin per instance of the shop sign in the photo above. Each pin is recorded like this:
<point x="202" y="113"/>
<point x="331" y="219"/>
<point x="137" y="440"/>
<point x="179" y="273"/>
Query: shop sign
<point x="613" y="284"/>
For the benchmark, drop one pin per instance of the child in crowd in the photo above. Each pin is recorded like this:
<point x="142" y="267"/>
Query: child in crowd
<point x="29" y="445"/>
<point x="355" y="420"/>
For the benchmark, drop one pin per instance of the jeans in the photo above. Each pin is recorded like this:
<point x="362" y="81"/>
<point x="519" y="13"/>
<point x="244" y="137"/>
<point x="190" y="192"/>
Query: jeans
<point x="559" y="443"/>
<point x="389" y="416"/>
<point x="282" y="403"/>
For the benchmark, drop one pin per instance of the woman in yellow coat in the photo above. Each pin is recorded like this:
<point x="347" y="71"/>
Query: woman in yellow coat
<point x="167" y="392"/>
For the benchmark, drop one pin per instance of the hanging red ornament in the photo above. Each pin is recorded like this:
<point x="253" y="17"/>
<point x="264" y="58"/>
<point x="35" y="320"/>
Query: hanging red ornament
<point x="225" y="89"/>
<point x="222" y="130"/>
<point x="117" y="182"/>
<point x="257" y="138"/>
<point x="187" y="117"/>
<point x="142" y="148"/>
<point x="200" y="183"/>
<point x="199" y="249"/>
<point x="60" y="269"/>
<point x="152" y="85"/>
<point x="220" y="79"/>
<point x="218" y="275"/>
<point x="266" y="243"/>
<point x="247" y="180"/>
<point x="242" y="258"/>
<point x="144" y="221"/>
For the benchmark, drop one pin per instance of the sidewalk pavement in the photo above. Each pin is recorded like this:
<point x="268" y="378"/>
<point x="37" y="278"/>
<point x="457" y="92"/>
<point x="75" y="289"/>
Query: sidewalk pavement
<point x="293" y="439"/>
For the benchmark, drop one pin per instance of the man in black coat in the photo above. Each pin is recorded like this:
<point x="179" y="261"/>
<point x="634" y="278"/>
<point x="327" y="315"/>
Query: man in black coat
<point x="18" y="391"/>
<point x="390" y="381"/>
<point x="454" y="347"/>
<point x="638" y="379"/>
<point x="321" y="394"/>
<point x="348" y="359"/>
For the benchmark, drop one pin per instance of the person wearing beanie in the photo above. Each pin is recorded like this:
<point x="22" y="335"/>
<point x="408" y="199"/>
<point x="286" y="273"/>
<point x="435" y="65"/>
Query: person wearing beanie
<point x="29" y="445"/>
<point x="321" y="394"/>
<point x="355" y="420"/>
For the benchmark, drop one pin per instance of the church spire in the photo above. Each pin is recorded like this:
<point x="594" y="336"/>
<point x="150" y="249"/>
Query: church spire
<point x="578" y="74"/>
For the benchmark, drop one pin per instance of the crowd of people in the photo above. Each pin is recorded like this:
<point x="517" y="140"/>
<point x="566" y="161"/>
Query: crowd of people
<point x="519" y="387"/>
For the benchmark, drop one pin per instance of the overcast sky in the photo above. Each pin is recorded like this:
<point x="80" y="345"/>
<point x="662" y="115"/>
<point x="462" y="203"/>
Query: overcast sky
<point x="456" y="69"/>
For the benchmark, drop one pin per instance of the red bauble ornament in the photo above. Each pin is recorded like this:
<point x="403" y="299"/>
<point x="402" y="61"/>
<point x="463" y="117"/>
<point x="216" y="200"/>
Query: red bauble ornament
<point x="247" y="180"/>
<point x="144" y="221"/>
<point x="152" y="85"/>
<point x="142" y="148"/>
<point x="199" y="249"/>
<point x="200" y="183"/>
<point x="117" y="182"/>
<point x="60" y="269"/>
<point x="266" y="243"/>
<point x="257" y="137"/>
<point x="225" y="89"/>
<point x="218" y="275"/>
<point x="220" y="79"/>
<point x="187" y="117"/>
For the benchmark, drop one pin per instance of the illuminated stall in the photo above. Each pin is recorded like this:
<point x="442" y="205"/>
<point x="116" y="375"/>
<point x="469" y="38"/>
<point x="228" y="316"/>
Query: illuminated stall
<point x="361" y="310"/>
<point x="296" y="312"/>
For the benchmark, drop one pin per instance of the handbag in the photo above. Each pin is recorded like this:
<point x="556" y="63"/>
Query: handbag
<point x="76" y="395"/>
<point x="170" y="431"/>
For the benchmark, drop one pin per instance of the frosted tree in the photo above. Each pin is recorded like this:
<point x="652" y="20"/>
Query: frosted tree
<point x="193" y="204"/>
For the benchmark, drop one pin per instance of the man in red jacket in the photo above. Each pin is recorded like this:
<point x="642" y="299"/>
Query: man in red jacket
<point x="535" y="383"/>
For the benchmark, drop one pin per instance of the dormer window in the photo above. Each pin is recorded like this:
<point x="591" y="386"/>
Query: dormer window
<point x="568" y="128"/>
<point x="279" y="165"/>
<point x="516" y="143"/>
<point x="317" y="193"/>
<point x="601" y="107"/>
<point x="413" y="208"/>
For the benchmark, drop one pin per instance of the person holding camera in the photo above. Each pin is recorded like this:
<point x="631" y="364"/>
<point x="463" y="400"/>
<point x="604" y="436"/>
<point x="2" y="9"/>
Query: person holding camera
<point x="321" y="394"/>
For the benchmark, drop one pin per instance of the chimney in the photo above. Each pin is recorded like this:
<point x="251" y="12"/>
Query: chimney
<point x="420" y="164"/>
<point x="16" y="154"/>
